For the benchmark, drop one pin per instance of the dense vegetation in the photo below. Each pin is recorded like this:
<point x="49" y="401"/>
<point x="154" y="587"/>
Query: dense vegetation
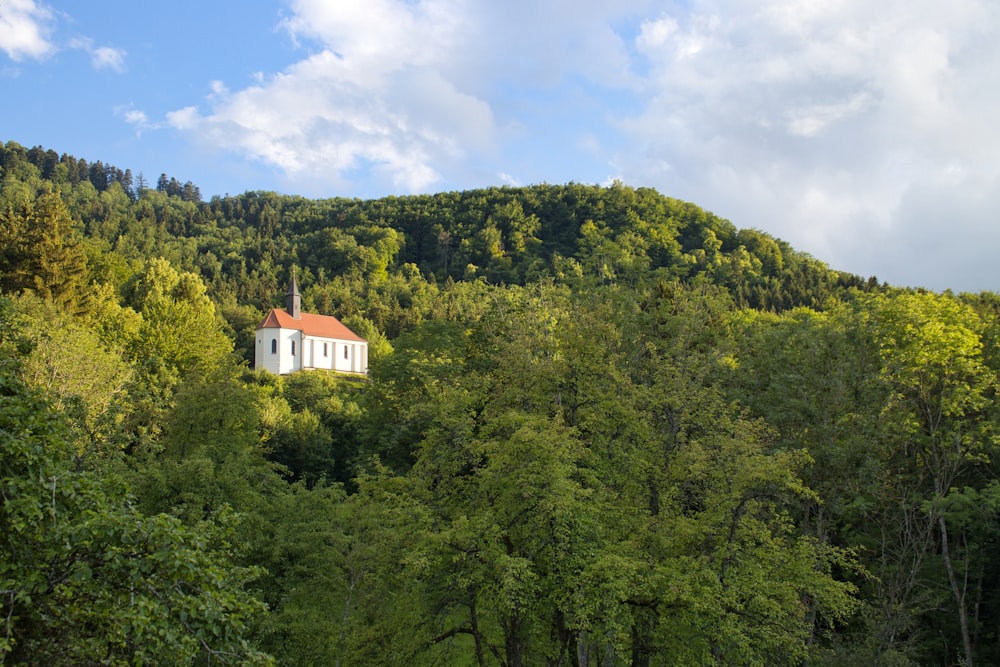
<point x="602" y="426"/>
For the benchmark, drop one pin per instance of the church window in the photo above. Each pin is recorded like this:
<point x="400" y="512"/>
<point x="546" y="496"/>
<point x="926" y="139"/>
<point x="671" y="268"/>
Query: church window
<point x="293" y="348"/>
<point x="326" y="351"/>
<point x="345" y="352"/>
<point x="274" y="346"/>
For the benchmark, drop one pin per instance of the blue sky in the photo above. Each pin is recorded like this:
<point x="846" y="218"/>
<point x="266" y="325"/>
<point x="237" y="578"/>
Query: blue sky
<point x="863" y="133"/>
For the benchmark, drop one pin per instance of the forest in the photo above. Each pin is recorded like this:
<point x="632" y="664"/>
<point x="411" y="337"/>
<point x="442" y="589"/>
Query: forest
<point x="601" y="426"/>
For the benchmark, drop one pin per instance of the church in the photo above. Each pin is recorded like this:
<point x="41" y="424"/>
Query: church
<point x="289" y="341"/>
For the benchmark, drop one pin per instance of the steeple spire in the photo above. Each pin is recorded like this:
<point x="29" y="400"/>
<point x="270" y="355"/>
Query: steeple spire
<point x="293" y="302"/>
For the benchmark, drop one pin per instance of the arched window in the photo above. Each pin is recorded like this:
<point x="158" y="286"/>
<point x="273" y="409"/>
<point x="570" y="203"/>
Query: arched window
<point x="326" y="349"/>
<point x="293" y="348"/>
<point x="274" y="346"/>
<point x="345" y="352"/>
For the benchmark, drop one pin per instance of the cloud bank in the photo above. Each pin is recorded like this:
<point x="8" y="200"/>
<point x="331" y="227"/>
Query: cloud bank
<point x="863" y="133"/>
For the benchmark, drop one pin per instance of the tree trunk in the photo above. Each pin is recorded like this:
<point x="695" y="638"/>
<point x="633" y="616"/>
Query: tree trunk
<point x="958" y="592"/>
<point x="474" y="620"/>
<point x="513" y="646"/>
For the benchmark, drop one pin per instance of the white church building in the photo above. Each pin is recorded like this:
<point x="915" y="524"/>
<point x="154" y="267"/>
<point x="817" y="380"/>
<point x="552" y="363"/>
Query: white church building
<point x="289" y="341"/>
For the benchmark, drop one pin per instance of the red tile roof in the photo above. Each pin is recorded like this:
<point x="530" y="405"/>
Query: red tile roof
<point x="322" y="326"/>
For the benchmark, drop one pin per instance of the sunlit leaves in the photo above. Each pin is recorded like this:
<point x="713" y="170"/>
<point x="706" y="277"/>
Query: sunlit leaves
<point x="180" y="327"/>
<point x="85" y="578"/>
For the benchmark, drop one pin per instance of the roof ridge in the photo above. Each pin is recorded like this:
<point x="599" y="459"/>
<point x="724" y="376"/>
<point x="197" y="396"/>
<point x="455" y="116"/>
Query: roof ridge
<point x="311" y="324"/>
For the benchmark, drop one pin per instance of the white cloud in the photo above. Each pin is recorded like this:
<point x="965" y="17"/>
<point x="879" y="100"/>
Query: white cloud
<point x="25" y="32"/>
<point x="810" y="119"/>
<point x="134" y="117"/>
<point x="415" y="90"/>
<point x="823" y="123"/>
<point x="101" y="57"/>
<point x="829" y="124"/>
<point x="370" y="96"/>
<point x="184" y="119"/>
<point x="24" y="29"/>
<point x="106" y="57"/>
<point x="507" y="179"/>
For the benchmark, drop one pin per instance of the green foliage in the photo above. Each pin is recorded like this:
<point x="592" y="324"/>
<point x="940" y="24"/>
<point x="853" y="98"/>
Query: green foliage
<point x="601" y="426"/>
<point x="87" y="378"/>
<point x="86" y="579"/>
<point x="210" y="454"/>
<point x="535" y="459"/>
<point x="354" y="253"/>
<point x="308" y="585"/>
<point x="180" y="326"/>
<point x="40" y="250"/>
<point x="893" y="396"/>
<point x="396" y="410"/>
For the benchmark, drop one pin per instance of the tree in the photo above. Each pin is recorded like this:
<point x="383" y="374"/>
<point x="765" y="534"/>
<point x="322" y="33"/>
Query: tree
<point x="734" y="582"/>
<point x="180" y="325"/>
<point x="40" y="250"/>
<point x="84" y="577"/>
<point x="305" y="542"/>
<point x="86" y="378"/>
<point x="209" y="456"/>
<point x="814" y="377"/>
<point x="940" y="407"/>
<point x="592" y="496"/>
<point x="128" y="184"/>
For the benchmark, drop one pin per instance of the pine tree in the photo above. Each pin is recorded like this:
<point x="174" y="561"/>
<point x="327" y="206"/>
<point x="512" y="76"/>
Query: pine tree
<point x="41" y="252"/>
<point x="99" y="176"/>
<point x="127" y="184"/>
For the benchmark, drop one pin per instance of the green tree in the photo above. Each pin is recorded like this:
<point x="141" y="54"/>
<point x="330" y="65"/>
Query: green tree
<point x="814" y="377"/>
<point x="180" y="325"/>
<point x="87" y="378"/>
<point x="583" y="502"/>
<point x="306" y="536"/>
<point x="734" y="581"/>
<point x="87" y="579"/>
<point x="941" y="411"/>
<point x="40" y="250"/>
<point x="209" y="456"/>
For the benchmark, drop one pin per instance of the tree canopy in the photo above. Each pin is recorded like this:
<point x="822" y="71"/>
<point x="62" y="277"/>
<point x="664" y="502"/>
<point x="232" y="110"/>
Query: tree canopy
<point x="601" y="426"/>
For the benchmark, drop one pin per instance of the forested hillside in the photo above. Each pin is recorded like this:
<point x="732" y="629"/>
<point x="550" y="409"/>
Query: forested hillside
<point x="601" y="426"/>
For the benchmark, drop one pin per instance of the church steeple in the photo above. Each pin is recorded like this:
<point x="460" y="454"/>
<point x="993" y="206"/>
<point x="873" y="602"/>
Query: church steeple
<point x="293" y="302"/>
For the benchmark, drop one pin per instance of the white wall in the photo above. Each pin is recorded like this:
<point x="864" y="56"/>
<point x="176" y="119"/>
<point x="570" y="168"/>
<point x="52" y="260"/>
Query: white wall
<point x="351" y="357"/>
<point x="319" y="359"/>
<point x="308" y="353"/>
<point x="282" y="361"/>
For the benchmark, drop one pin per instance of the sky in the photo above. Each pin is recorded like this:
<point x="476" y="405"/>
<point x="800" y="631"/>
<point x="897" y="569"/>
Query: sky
<point x="866" y="134"/>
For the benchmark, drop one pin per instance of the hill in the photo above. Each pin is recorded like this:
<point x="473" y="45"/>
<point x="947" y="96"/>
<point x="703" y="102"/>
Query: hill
<point x="600" y="424"/>
<point x="503" y="235"/>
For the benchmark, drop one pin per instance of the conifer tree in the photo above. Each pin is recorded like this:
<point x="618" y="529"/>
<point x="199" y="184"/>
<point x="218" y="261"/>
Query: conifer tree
<point x="41" y="252"/>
